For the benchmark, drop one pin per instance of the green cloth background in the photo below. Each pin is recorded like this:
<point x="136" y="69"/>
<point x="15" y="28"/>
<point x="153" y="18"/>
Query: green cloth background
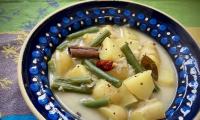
<point x="17" y="15"/>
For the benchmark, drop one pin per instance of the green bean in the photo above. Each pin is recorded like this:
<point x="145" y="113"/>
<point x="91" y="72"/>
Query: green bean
<point x="100" y="38"/>
<point x="72" y="88"/>
<point x="63" y="45"/>
<point x="131" y="58"/>
<point x="74" y="81"/>
<point x="91" y="67"/>
<point x="95" y="103"/>
<point x="82" y="32"/>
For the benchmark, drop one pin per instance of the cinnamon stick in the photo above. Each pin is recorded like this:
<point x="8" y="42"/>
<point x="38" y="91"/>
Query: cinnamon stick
<point x="83" y="52"/>
<point x="81" y="47"/>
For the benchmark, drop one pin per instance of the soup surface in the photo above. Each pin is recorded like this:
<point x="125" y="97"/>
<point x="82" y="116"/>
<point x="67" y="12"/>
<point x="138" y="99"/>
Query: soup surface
<point x="131" y="104"/>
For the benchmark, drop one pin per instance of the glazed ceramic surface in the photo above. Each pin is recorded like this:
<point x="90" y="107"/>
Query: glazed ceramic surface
<point x="33" y="69"/>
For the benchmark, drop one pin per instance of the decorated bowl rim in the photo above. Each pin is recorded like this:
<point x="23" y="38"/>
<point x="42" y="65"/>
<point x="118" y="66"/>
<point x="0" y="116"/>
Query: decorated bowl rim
<point x="19" y="67"/>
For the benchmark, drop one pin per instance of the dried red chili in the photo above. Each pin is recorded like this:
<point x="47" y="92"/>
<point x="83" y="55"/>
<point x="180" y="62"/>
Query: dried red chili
<point x="105" y="65"/>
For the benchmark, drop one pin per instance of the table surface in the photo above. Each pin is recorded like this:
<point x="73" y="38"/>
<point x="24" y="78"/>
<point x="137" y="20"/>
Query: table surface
<point x="18" y="17"/>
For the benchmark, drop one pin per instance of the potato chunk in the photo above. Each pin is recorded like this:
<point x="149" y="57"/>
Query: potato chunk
<point x="137" y="115"/>
<point x="78" y="71"/>
<point x="63" y="62"/>
<point x="114" y="112"/>
<point x="141" y="85"/>
<point x="126" y="97"/>
<point x="105" y="89"/>
<point x="153" y="110"/>
<point x="110" y="50"/>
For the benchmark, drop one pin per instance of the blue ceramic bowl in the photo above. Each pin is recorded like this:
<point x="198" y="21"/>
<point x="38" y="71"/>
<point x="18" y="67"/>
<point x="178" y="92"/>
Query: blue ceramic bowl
<point x="41" y="43"/>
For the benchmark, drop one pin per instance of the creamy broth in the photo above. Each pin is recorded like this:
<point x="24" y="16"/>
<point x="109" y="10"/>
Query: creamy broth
<point x="166" y="94"/>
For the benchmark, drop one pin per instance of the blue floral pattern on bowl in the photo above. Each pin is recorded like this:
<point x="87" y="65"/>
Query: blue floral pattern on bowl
<point x="176" y="41"/>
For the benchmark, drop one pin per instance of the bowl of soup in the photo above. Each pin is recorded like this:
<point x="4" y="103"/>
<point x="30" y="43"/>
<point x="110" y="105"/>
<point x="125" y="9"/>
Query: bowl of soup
<point x="110" y="60"/>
